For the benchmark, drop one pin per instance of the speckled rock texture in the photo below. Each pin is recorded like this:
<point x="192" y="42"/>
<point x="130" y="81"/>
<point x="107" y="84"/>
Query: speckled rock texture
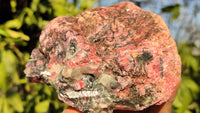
<point x="107" y="58"/>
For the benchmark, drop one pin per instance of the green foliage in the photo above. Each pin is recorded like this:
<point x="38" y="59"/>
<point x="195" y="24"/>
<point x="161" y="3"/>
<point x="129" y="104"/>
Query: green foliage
<point x="190" y="62"/>
<point x="64" y="8"/>
<point x="172" y="9"/>
<point x="16" y="94"/>
<point x="188" y="97"/>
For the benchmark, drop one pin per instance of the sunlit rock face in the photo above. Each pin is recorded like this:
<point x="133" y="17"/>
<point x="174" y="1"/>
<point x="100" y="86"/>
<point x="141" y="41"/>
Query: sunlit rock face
<point x="117" y="57"/>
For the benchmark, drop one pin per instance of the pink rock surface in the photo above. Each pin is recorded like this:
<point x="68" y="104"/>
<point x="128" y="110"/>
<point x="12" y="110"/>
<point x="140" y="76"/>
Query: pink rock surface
<point x="107" y="57"/>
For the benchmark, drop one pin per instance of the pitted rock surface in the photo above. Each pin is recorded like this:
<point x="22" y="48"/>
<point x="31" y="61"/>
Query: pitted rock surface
<point x="107" y="58"/>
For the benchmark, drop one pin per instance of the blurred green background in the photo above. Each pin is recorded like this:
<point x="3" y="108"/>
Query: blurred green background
<point x="21" y="22"/>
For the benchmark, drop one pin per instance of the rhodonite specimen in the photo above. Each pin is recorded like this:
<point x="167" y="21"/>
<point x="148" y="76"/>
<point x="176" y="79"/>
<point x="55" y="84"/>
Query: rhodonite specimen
<point x="107" y="58"/>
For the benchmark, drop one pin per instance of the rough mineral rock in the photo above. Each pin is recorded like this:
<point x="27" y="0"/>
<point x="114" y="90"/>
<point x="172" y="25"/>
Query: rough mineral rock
<point x="106" y="58"/>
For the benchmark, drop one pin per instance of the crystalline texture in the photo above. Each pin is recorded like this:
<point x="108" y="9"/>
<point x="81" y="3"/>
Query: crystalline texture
<point x="107" y="58"/>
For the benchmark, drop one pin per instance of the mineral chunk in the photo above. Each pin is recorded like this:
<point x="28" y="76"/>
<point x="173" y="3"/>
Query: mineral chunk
<point x="107" y="58"/>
